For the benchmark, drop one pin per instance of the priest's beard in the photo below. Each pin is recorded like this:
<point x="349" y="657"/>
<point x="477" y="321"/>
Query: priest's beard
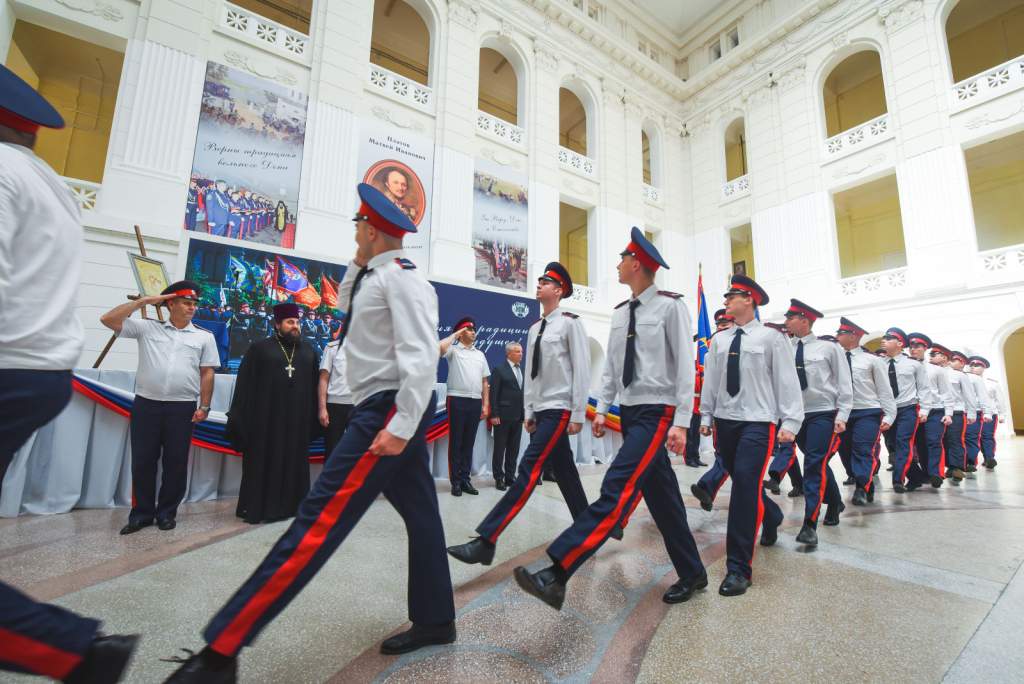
<point x="292" y="337"/>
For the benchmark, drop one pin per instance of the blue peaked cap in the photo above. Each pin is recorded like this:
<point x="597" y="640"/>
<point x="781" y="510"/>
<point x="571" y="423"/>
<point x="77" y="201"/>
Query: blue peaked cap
<point x="381" y="213"/>
<point x="21" y="100"/>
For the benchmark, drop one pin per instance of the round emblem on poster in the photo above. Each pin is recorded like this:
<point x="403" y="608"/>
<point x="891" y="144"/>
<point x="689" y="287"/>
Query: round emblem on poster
<point x="520" y="310"/>
<point x="401" y="185"/>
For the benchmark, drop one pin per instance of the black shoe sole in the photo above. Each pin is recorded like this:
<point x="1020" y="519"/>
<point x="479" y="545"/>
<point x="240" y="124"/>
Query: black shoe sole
<point x="702" y="496"/>
<point x="741" y="592"/>
<point x="522" y="576"/>
<point x="416" y="645"/>
<point x="468" y="561"/>
<point x="703" y="584"/>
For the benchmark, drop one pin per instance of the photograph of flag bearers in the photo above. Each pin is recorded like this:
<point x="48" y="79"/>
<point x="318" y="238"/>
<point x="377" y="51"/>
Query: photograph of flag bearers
<point x="240" y="286"/>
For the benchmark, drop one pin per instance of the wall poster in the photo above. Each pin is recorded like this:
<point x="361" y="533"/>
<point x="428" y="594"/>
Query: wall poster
<point x="500" y="226"/>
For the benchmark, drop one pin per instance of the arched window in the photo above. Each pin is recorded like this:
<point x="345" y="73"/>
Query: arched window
<point x="573" y="238"/>
<point x="869" y="228"/>
<point x="854" y="92"/>
<point x="741" y="248"/>
<point x="995" y="171"/>
<point x="982" y="34"/>
<point x="400" y="41"/>
<point x="645" y="149"/>
<point x="572" y="122"/>
<point x="499" y="86"/>
<point x="735" y="150"/>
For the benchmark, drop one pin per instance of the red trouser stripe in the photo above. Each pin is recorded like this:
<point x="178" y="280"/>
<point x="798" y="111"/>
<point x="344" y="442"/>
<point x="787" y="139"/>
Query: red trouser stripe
<point x="760" y="491"/>
<point x="35" y="656"/>
<point x="625" y="520"/>
<point x="448" y="408"/>
<point x="832" y="446"/>
<point x="535" y="472"/>
<point x="963" y="439"/>
<point x="605" y="526"/>
<point x="874" y="458"/>
<point x="910" y="453"/>
<point x="230" y="640"/>
<point x="942" y="458"/>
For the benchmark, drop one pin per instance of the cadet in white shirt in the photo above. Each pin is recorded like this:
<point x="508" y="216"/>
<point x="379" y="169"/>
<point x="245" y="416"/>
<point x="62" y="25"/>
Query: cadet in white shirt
<point x="874" y="410"/>
<point x="334" y="399"/>
<point x="557" y="379"/>
<point x="938" y="413"/>
<point x="825" y="381"/>
<point x="965" y="409"/>
<point x="750" y="382"/>
<point x="649" y="368"/>
<point x="177" y="361"/>
<point x="468" y="401"/>
<point x="979" y="364"/>
<point x="390" y="341"/>
<point x="972" y="438"/>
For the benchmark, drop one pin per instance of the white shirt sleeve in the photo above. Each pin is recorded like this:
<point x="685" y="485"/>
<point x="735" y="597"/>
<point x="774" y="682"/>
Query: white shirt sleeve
<point x="579" y="352"/>
<point x="210" y="357"/>
<point x="327" y="360"/>
<point x="134" y="329"/>
<point x="786" y="384"/>
<point x="680" y="341"/>
<point x="709" y="390"/>
<point x="844" y="400"/>
<point x="884" y="392"/>
<point x="608" y="389"/>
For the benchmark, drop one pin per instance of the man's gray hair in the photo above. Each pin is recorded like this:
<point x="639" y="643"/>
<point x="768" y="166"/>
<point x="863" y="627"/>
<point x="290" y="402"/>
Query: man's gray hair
<point x="510" y="345"/>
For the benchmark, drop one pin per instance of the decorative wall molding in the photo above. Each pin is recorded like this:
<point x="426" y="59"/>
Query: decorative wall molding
<point x="263" y="33"/>
<point x="84" y="192"/>
<point x="499" y="158"/>
<point x="385" y="114"/>
<point x="400" y="88"/>
<point x="546" y="55"/>
<point x="896" y="14"/>
<point x="859" y="137"/>
<point x="506" y="132"/>
<point x="855" y="169"/>
<point x="995" y="116"/>
<point x="243" y="62"/>
<point x="793" y="76"/>
<point x="988" y="85"/>
<point x="103" y="10"/>
<point x="463" y="13"/>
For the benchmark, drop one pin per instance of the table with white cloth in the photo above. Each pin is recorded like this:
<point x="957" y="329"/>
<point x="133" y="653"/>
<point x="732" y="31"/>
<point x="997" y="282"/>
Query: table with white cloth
<point x="82" y="459"/>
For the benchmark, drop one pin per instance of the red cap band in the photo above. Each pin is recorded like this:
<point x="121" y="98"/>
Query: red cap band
<point x="554" y="276"/>
<point x="749" y="290"/>
<point x="465" y="324"/>
<point x="642" y="257"/>
<point x="18" y="123"/>
<point x="186" y="293"/>
<point x="379" y="222"/>
<point x="794" y="309"/>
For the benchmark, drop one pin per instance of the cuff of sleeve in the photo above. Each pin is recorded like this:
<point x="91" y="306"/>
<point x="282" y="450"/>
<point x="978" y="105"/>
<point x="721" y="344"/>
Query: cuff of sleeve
<point x="578" y="416"/>
<point x="889" y="419"/>
<point x="790" y="425"/>
<point x="529" y="415"/>
<point x="949" y="412"/>
<point x="705" y="420"/>
<point x="402" y="426"/>
<point x="681" y="419"/>
<point x="843" y="416"/>
<point x="602" y="407"/>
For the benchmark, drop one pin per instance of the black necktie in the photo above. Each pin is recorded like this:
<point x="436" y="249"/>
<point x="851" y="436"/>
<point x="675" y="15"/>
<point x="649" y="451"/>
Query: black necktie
<point x="849" y="360"/>
<point x="629" y="364"/>
<point x="800" y="373"/>
<point x="892" y="379"/>
<point x="732" y="366"/>
<point x="536" y="350"/>
<point x="351" y="299"/>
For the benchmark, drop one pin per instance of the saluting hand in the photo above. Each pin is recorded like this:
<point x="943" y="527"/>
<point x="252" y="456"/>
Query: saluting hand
<point x="386" y="444"/>
<point x="154" y="300"/>
<point x="785" y="437"/>
<point x="676" y="442"/>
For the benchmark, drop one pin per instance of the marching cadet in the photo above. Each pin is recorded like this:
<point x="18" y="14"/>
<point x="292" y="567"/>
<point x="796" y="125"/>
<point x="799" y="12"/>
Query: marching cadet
<point x="908" y="381"/>
<point x="722" y="322"/>
<point x="706" y="488"/>
<point x="979" y="364"/>
<point x="750" y="382"/>
<point x="825" y="381"/>
<point x="938" y="413"/>
<point x="874" y="411"/>
<point x="649" y="368"/>
<point x="218" y="206"/>
<point x="972" y="439"/>
<point x="468" y="401"/>
<point x="390" y="342"/>
<point x="965" y="408"/>
<point x="555" y="398"/>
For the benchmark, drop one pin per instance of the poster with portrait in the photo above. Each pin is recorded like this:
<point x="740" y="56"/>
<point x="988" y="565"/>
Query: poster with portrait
<point x="500" y="226"/>
<point x="248" y="159"/>
<point x="401" y="165"/>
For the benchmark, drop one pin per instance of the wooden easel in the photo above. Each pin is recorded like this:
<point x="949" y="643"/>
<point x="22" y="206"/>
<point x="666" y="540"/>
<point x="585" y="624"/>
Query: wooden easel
<point x="159" y="314"/>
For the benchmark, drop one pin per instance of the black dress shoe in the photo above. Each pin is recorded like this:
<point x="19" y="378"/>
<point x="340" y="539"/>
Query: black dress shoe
<point x="734" y="584"/>
<point x="617" y="534"/>
<point x="971" y="468"/>
<point x="469" y="488"/>
<point x="133" y="527"/>
<point x="477" y="551"/>
<point x="832" y="514"/>
<point x="769" y="535"/>
<point x="706" y="502"/>
<point x="550" y="477"/>
<point x="850" y="480"/>
<point x="860" y="497"/>
<point x="772" y="485"/>
<point x="796" y="491"/>
<point x="889" y="469"/>
<point x="871" y="494"/>
<point x="683" y="589"/>
<point x="807" y="536"/>
<point x="165" y="525"/>
<point x="417" y="637"/>
<point x="105" y="660"/>
<point x="499" y="484"/>
<point x="899" y="488"/>
<point x="701" y="464"/>
<point x="548" y="585"/>
<point x="913" y="486"/>
<point x="205" y="667"/>
<point x="456" y="489"/>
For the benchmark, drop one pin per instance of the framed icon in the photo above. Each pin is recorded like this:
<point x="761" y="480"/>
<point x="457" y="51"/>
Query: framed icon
<point x="150" y="274"/>
<point x="739" y="268"/>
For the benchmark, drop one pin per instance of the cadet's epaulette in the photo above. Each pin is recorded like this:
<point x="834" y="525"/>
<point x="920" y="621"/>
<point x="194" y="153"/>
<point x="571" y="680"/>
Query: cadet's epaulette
<point x="621" y="304"/>
<point x="406" y="264"/>
<point x="570" y="315"/>
<point x="666" y="293"/>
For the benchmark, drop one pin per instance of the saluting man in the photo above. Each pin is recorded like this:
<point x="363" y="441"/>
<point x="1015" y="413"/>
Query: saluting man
<point x="908" y="381"/>
<point x="750" y="382"/>
<point x="873" y="412"/>
<point x="391" y="348"/>
<point x="825" y="380"/>
<point x="965" y="408"/>
<point x="706" y="488"/>
<point x="979" y="364"/>
<point x="649" y="368"/>
<point x="557" y="382"/>
<point x="177" y="362"/>
<point x="468" y="401"/>
<point x="938" y="412"/>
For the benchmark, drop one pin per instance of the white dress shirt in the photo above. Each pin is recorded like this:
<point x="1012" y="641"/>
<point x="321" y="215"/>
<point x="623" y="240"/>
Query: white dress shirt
<point x="663" y="368"/>
<point x="517" y="372"/>
<point x="870" y="385"/>
<point x="912" y="379"/>
<point x="963" y="392"/>
<point x="942" y="392"/>
<point x="769" y="387"/>
<point x="829" y="387"/>
<point x="391" y="342"/>
<point x="564" y="378"/>
<point x="467" y="369"/>
<point x="980" y="394"/>
<point x="40" y="265"/>
<point x="170" y="358"/>
<point x="337" y="384"/>
<point x="995" y="396"/>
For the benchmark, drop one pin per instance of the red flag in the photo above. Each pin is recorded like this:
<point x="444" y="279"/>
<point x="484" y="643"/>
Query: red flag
<point x="329" y="291"/>
<point x="307" y="296"/>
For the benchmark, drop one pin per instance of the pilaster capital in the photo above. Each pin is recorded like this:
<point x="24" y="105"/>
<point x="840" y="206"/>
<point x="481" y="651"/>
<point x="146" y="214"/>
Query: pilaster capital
<point x="464" y="12"/>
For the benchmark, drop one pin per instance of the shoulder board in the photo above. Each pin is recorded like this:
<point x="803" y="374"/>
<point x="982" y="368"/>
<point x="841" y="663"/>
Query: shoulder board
<point x="666" y="293"/>
<point x="405" y="264"/>
<point x="570" y="315"/>
<point x="621" y="304"/>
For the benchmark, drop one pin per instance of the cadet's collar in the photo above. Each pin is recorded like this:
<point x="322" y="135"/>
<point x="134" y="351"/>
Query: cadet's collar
<point x="555" y="312"/>
<point x="752" y="324"/>
<point x="809" y="337"/>
<point x="385" y="257"/>
<point x="188" y="326"/>
<point x="648" y="294"/>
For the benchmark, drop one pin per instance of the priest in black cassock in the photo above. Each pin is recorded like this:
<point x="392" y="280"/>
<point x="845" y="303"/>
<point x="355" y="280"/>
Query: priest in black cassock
<point x="273" y="419"/>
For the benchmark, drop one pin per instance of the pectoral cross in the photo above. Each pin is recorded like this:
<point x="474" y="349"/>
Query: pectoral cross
<point x="289" y="368"/>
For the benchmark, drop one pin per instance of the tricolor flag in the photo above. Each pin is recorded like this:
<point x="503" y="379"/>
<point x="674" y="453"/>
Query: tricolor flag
<point x="703" y="323"/>
<point x="290" y="277"/>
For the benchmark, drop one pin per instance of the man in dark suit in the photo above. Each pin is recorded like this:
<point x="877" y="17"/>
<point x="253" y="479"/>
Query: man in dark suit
<point x="507" y="414"/>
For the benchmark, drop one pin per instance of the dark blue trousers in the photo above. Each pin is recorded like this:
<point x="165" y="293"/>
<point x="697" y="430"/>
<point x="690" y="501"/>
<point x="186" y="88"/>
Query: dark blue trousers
<point x="351" y="480"/>
<point x="956" y="454"/>
<point x="972" y="439"/>
<point x="928" y="444"/>
<point x="988" y="439"/>
<point x="902" y="432"/>
<point x="35" y="637"/>
<point x="784" y="461"/>
<point x="641" y="468"/>
<point x="818" y="440"/>
<point x="857" y="445"/>
<point x="549" y="444"/>
<point x="693" y="440"/>
<point x="714" y="478"/>
<point x="463" y="422"/>
<point x="161" y="432"/>
<point x="745" y="448"/>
